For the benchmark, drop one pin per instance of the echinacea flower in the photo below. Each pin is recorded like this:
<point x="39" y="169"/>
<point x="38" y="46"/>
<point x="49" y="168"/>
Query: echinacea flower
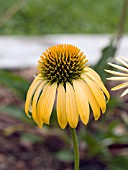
<point x="64" y="79"/>
<point x="120" y="76"/>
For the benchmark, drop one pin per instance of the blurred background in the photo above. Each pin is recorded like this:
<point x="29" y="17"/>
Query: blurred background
<point x="27" y="28"/>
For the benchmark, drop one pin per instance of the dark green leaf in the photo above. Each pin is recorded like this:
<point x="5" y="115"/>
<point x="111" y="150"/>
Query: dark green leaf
<point x="16" y="112"/>
<point x="107" y="53"/>
<point x="15" y="83"/>
<point x="65" y="156"/>
<point x="32" y="138"/>
<point x="119" y="163"/>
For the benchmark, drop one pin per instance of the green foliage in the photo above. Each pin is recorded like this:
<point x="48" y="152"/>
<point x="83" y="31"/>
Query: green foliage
<point x="32" y="138"/>
<point x="119" y="163"/>
<point x="16" y="112"/>
<point x="64" y="155"/>
<point x="98" y="142"/>
<point x="15" y="83"/>
<point x="59" y="16"/>
<point x="107" y="53"/>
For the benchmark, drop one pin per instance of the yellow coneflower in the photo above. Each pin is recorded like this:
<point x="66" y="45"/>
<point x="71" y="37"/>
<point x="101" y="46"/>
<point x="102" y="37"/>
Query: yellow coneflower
<point x="120" y="76"/>
<point x="63" y="77"/>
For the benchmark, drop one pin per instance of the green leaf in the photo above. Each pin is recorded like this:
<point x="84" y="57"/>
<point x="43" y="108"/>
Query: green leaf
<point x="64" y="155"/>
<point x="94" y="145"/>
<point x="15" y="83"/>
<point x="32" y="138"/>
<point x="16" y="112"/>
<point x="114" y="102"/>
<point x="119" y="163"/>
<point x="107" y="53"/>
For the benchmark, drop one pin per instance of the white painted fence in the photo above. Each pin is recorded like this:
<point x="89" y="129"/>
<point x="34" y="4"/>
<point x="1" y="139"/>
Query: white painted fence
<point x="17" y="51"/>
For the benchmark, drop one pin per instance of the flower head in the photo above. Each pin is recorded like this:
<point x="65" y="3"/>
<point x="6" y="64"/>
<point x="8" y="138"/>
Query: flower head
<point x="64" y="79"/>
<point x="120" y="76"/>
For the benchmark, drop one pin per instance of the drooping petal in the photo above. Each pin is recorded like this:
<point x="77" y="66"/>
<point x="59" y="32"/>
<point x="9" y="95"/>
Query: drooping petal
<point x="71" y="106"/>
<point x="92" y="100"/>
<point x="97" y="81"/>
<point x="124" y="93"/>
<point x="120" y="86"/>
<point x="82" y="101"/>
<point x="35" y="99"/>
<point x="125" y="59"/>
<point x="97" y="93"/>
<point x="122" y="62"/>
<point x="117" y="78"/>
<point x="45" y="103"/>
<point x="116" y="73"/>
<point x="61" y="106"/>
<point x="92" y="73"/>
<point x="39" y="104"/>
<point x="30" y="93"/>
<point x="118" y="67"/>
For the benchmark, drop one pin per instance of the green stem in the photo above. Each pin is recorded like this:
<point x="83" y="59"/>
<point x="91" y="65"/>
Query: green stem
<point x="76" y="149"/>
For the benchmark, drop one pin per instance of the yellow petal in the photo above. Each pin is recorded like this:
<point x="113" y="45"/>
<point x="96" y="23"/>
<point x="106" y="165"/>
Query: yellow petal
<point x="39" y="104"/>
<point x="125" y="59"/>
<point x="124" y="93"/>
<point x="122" y="62"/>
<point x="117" y="78"/>
<point x="92" y="100"/>
<point x="120" y="86"/>
<point x="61" y="106"/>
<point x="97" y="93"/>
<point x="92" y="72"/>
<point x="82" y="101"/>
<point x="116" y="73"/>
<point x="98" y="82"/>
<point x="118" y="67"/>
<point x="71" y="106"/>
<point x="35" y="99"/>
<point x="30" y="93"/>
<point x="45" y="103"/>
